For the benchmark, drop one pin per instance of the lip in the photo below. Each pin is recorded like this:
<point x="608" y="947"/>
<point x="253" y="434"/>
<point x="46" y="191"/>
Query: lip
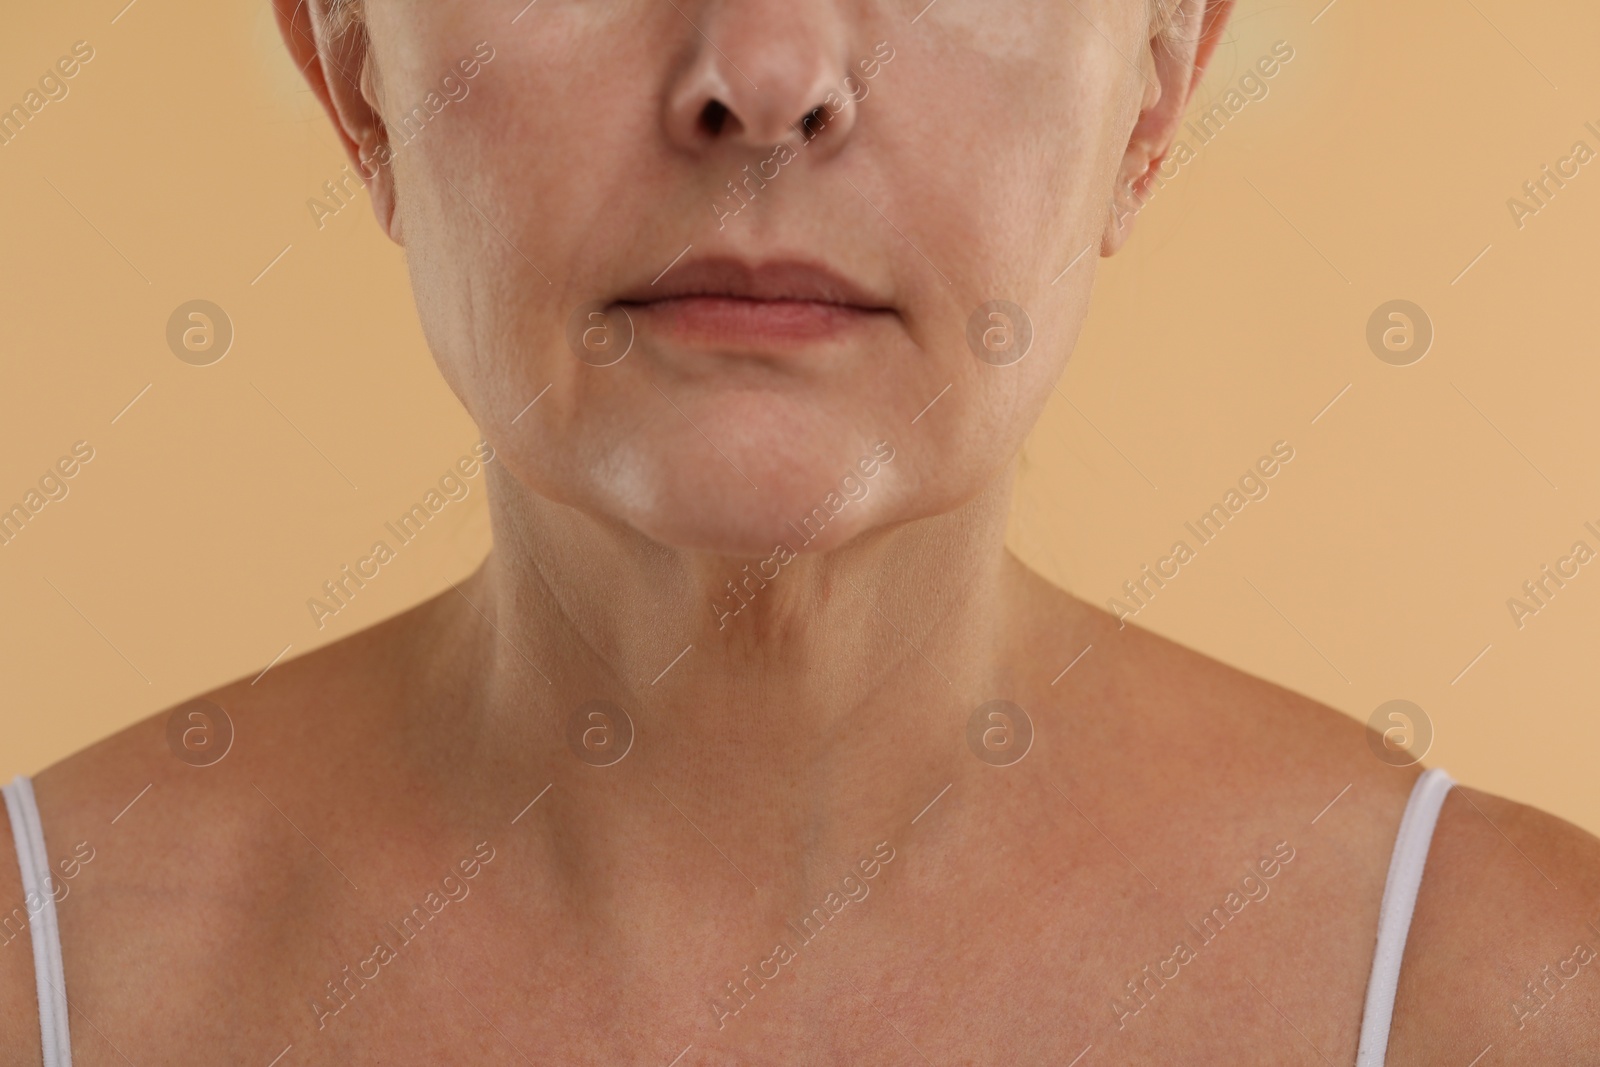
<point x="776" y="280"/>
<point x="726" y="302"/>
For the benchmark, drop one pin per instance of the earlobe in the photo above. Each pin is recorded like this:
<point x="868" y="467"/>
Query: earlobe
<point x="1124" y="208"/>
<point x="381" y="188"/>
<point x="385" y="207"/>
<point x="377" y="170"/>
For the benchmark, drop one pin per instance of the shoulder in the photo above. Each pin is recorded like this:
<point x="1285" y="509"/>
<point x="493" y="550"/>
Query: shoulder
<point x="1184" y="710"/>
<point x="1504" y="951"/>
<point x="178" y="840"/>
<point x="280" y="721"/>
<point x="188" y="767"/>
<point x="1504" y="947"/>
<point x="19" y="1002"/>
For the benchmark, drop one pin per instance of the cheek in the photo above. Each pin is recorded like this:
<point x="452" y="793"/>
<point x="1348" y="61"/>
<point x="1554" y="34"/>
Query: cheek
<point x="516" y="216"/>
<point x="1003" y="218"/>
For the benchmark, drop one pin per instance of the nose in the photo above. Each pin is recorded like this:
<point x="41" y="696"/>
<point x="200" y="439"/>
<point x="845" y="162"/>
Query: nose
<point x="763" y="73"/>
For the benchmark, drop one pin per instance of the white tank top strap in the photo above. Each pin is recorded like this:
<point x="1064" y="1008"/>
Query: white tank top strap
<point x="38" y="893"/>
<point x="1394" y="914"/>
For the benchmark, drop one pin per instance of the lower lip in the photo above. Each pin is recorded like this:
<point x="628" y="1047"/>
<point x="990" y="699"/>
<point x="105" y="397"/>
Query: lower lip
<point x="729" y="321"/>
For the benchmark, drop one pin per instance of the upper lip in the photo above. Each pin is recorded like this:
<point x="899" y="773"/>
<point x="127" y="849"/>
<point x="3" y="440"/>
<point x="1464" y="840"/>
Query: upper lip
<point x="784" y="279"/>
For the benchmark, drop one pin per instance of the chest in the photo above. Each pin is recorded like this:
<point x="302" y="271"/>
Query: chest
<point x="1025" y="960"/>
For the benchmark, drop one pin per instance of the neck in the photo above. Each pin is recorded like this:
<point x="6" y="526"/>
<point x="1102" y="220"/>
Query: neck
<point x="829" y="699"/>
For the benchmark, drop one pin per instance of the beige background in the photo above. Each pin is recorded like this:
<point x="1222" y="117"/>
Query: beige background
<point x="1378" y="167"/>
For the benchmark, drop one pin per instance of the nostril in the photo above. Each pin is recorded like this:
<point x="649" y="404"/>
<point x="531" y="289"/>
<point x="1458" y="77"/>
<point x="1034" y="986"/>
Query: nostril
<point x="811" y="126"/>
<point x="713" y="117"/>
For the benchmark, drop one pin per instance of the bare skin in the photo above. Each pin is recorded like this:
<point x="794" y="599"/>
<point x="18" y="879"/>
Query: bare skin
<point x="597" y="915"/>
<point x="605" y="927"/>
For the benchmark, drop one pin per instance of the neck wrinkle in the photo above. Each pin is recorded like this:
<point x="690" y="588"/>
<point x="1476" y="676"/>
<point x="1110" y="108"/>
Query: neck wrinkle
<point x="898" y="625"/>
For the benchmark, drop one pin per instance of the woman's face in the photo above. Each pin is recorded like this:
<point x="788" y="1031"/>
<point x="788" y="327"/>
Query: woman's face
<point x="791" y="222"/>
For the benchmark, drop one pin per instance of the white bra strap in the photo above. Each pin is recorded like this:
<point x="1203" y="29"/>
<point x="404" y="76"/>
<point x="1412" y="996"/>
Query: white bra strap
<point x="38" y="893"/>
<point x="1394" y="914"/>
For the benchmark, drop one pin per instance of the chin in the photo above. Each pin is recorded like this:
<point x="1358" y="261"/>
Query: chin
<point x="766" y="483"/>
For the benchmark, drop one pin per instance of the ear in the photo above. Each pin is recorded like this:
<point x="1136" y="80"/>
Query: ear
<point x="1172" y="66"/>
<point x="336" y="62"/>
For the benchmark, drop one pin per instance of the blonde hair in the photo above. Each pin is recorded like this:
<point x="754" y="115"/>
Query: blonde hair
<point x="1166" y="21"/>
<point x="343" y="14"/>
